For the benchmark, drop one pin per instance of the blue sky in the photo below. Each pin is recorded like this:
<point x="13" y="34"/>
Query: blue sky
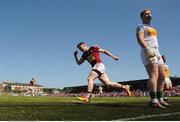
<point x="38" y="38"/>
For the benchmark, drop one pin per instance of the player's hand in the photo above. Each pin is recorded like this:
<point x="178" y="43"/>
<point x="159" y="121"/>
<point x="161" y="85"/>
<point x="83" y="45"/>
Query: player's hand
<point x="150" y="52"/>
<point x="151" y="55"/>
<point x="75" y="52"/>
<point x="158" y="56"/>
<point x="116" y="58"/>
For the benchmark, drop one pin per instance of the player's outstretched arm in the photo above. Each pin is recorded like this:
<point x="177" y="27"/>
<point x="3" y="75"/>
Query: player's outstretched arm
<point x="79" y="61"/>
<point x="108" y="53"/>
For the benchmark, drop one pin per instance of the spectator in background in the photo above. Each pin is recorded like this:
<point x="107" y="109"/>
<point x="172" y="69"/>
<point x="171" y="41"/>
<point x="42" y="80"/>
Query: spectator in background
<point x="167" y="81"/>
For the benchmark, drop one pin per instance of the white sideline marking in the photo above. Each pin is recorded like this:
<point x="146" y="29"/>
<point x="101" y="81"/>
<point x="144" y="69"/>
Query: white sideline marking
<point x="148" y="116"/>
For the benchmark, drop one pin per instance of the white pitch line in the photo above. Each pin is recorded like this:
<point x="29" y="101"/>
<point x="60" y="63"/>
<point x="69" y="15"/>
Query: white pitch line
<point x="148" y="116"/>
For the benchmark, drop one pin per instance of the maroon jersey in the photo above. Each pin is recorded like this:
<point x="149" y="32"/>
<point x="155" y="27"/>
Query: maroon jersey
<point x="92" y="55"/>
<point x="31" y="83"/>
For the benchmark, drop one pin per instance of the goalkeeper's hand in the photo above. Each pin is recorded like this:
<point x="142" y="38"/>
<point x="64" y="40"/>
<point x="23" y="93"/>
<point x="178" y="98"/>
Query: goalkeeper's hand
<point x="151" y="55"/>
<point x="150" y="52"/>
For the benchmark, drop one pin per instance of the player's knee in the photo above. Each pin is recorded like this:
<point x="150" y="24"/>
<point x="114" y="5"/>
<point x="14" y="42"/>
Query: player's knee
<point x="109" y="84"/>
<point x="153" y="78"/>
<point x="89" y="79"/>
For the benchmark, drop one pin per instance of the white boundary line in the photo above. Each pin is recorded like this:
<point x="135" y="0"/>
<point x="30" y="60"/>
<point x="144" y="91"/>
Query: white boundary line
<point x="148" y="116"/>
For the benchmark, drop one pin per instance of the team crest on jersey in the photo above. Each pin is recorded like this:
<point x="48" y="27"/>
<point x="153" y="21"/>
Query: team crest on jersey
<point x="151" y="31"/>
<point x="90" y="58"/>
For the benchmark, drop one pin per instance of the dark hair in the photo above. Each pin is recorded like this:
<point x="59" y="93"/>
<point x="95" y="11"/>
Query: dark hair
<point x="142" y="12"/>
<point x="163" y="57"/>
<point x="80" y="44"/>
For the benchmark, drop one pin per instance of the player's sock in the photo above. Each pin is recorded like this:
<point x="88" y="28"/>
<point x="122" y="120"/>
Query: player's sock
<point x="161" y="100"/>
<point x="153" y="95"/>
<point x="165" y="95"/>
<point x="88" y="94"/>
<point x="159" y="95"/>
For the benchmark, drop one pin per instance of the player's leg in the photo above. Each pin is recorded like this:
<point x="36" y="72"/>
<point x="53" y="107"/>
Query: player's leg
<point x="105" y="79"/>
<point x="100" y="93"/>
<point x="26" y="92"/>
<point x="170" y="85"/>
<point x="160" y="85"/>
<point x="33" y="91"/>
<point x="22" y="93"/>
<point x="170" y="88"/>
<point x="92" y="76"/>
<point x="165" y="91"/>
<point x="167" y="88"/>
<point x="152" y="70"/>
<point x="151" y="65"/>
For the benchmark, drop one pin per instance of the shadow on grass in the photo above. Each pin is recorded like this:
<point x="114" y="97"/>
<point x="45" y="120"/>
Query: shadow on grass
<point x="21" y="104"/>
<point x="113" y="105"/>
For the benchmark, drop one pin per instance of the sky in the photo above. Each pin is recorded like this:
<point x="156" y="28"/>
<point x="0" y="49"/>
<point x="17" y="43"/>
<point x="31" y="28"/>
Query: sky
<point x="38" y="38"/>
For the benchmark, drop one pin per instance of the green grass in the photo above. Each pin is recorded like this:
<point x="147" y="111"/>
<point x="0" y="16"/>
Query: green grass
<point x="68" y="108"/>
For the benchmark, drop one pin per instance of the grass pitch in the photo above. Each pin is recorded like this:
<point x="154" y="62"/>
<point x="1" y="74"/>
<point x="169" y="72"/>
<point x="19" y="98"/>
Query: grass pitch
<point x="14" y="108"/>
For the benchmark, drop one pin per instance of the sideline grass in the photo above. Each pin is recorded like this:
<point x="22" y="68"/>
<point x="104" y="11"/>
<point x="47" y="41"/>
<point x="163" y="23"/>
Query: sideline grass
<point x="13" y="108"/>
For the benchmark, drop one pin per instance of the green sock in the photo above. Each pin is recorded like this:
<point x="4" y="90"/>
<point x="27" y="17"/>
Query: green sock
<point x="159" y="94"/>
<point x="153" y="95"/>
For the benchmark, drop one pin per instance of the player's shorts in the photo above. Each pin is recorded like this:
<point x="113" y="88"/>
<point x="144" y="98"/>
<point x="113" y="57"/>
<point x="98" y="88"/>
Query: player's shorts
<point x="146" y="60"/>
<point x="167" y="80"/>
<point x="99" y="68"/>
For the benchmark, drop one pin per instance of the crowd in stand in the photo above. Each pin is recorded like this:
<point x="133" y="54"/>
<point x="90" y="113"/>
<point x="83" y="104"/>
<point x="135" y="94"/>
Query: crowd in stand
<point x="137" y="93"/>
<point x="176" y="91"/>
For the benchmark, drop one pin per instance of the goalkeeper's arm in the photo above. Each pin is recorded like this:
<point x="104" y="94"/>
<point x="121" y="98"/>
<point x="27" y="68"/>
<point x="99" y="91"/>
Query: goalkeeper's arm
<point x="142" y="43"/>
<point x="140" y="39"/>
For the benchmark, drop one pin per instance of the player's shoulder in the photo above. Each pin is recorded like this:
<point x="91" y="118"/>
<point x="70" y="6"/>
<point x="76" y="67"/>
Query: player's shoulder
<point x="95" y="47"/>
<point x="140" y="27"/>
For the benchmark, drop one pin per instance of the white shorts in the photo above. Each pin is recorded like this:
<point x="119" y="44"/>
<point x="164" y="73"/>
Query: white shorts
<point x="145" y="59"/>
<point x="167" y="80"/>
<point x="100" y="67"/>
